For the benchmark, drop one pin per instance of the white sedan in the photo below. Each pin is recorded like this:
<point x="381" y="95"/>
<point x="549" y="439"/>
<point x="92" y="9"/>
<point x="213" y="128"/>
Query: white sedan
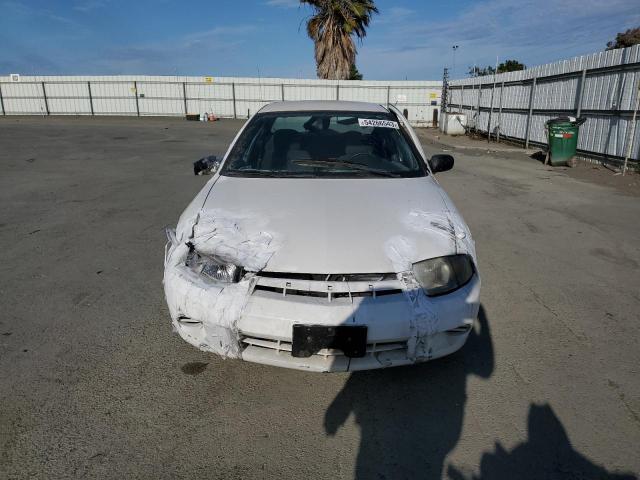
<point x="323" y="242"/>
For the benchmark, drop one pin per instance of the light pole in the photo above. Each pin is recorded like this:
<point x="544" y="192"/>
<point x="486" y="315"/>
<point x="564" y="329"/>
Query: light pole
<point x="453" y="70"/>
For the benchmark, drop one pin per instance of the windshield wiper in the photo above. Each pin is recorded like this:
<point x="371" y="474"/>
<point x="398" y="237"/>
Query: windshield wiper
<point x="256" y="172"/>
<point x="361" y="167"/>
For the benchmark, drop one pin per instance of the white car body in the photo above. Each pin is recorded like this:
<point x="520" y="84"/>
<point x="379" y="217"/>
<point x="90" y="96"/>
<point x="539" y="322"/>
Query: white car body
<point x="281" y="230"/>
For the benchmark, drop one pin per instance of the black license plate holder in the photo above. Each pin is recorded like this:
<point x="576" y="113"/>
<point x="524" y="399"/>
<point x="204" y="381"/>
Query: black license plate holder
<point x="309" y="339"/>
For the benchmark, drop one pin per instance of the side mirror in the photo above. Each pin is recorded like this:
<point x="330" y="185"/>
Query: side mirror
<point x="206" y="166"/>
<point x="441" y="163"/>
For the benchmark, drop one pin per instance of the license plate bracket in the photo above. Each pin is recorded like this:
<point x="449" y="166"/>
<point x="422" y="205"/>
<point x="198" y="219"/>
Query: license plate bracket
<point x="310" y="339"/>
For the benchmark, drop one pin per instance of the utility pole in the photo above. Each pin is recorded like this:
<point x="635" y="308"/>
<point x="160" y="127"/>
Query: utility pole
<point x="445" y="91"/>
<point x="453" y="70"/>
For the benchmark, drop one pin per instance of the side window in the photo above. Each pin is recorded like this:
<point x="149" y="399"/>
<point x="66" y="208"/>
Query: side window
<point x="410" y="135"/>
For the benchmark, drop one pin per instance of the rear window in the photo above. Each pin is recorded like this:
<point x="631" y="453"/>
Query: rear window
<point x="324" y="144"/>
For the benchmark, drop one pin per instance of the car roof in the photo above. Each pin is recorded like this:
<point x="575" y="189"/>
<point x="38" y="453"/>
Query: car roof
<point x="323" y="105"/>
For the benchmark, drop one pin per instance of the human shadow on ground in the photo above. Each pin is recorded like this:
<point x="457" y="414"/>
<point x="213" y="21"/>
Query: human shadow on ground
<point x="411" y="418"/>
<point x="547" y="454"/>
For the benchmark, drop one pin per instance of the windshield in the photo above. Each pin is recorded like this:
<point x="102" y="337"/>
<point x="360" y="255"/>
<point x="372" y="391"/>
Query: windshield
<point x="323" y="144"/>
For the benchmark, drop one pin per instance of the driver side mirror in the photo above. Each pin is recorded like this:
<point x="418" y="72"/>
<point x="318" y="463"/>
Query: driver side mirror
<point x="441" y="163"/>
<point x="206" y="166"/>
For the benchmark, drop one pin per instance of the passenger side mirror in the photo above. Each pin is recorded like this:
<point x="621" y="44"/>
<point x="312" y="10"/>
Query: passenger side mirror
<point x="441" y="163"/>
<point x="206" y="166"/>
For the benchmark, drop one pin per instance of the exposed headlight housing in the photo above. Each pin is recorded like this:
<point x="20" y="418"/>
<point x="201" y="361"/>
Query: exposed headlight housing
<point x="441" y="275"/>
<point x="213" y="268"/>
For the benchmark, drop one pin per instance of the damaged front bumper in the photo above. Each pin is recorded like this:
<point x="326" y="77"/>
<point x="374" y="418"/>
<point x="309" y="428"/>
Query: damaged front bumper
<point x="253" y="319"/>
<point x="394" y="335"/>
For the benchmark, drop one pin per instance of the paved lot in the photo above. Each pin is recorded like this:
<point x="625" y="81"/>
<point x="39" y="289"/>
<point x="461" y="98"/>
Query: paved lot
<point x="93" y="383"/>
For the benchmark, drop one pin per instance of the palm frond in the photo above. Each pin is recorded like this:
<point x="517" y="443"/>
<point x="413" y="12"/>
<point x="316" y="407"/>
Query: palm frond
<point x="332" y="28"/>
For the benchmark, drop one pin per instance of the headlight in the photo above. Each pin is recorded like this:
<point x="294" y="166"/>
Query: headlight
<point x="441" y="275"/>
<point x="213" y="268"/>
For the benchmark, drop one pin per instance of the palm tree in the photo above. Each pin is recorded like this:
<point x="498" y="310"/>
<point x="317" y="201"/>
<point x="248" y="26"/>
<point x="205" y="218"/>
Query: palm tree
<point x="332" y="28"/>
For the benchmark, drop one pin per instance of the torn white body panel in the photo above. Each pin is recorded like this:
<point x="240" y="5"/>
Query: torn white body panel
<point x="448" y="224"/>
<point x="205" y="312"/>
<point x="234" y="238"/>
<point x="425" y="320"/>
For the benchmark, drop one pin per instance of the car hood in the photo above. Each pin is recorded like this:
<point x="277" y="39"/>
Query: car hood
<point x="322" y="225"/>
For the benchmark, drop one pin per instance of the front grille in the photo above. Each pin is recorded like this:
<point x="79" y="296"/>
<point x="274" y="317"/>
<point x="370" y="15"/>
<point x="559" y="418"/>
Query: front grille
<point x="331" y="277"/>
<point x="331" y="287"/>
<point x="328" y="294"/>
<point x="284" y="346"/>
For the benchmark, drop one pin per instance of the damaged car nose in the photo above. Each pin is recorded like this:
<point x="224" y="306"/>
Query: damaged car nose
<point x="279" y="261"/>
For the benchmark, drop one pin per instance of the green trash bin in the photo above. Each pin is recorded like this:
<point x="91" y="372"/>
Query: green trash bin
<point x="562" y="135"/>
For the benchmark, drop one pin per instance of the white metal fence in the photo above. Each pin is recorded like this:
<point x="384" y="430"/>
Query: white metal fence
<point x="223" y="96"/>
<point x="602" y="87"/>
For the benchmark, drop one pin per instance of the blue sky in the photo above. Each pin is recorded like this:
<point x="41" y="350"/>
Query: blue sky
<point x="409" y="39"/>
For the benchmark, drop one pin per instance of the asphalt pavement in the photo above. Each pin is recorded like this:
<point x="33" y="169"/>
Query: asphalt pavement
<point x="94" y="384"/>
